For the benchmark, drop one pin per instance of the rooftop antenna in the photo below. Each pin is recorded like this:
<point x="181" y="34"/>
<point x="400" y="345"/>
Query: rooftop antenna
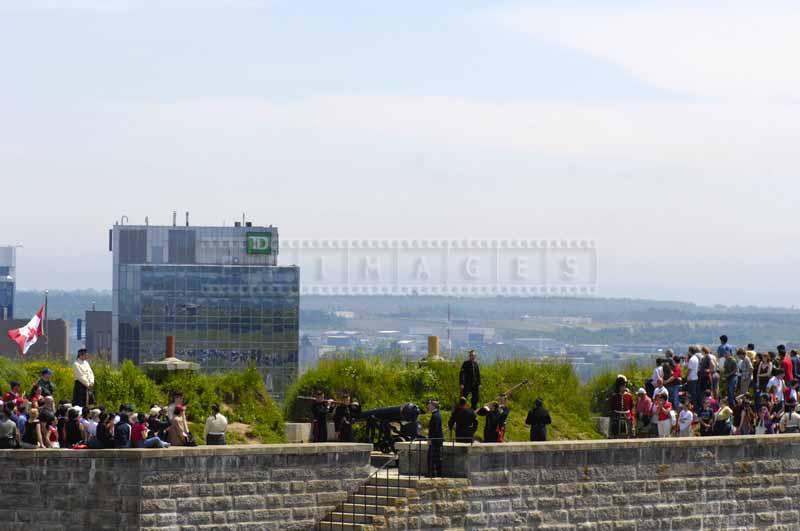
<point x="242" y="219"/>
<point x="174" y="218"/>
<point x="146" y="221"/>
<point x="187" y="218"/>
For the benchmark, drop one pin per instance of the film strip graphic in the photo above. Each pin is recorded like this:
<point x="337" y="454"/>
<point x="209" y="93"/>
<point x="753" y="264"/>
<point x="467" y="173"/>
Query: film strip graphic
<point x="447" y="267"/>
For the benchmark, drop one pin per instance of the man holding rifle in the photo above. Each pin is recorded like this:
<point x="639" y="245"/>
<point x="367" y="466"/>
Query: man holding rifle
<point x="319" y="415"/>
<point x="496" y="413"/>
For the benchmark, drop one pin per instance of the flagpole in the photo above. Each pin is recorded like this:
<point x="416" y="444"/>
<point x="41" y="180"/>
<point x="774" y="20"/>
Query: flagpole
<point x="44" y="328"/>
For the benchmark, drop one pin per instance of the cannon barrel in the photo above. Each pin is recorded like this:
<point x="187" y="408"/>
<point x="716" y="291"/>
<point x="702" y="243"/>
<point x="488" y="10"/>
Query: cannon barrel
<point x="404" y="413"/>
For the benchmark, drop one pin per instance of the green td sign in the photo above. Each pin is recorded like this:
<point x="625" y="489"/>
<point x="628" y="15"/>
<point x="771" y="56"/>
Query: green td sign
<point x="259" y="242"/>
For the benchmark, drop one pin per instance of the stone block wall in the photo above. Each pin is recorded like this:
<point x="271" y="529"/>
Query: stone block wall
<point x="226" y="488"/>
<point x="637" y="485"/>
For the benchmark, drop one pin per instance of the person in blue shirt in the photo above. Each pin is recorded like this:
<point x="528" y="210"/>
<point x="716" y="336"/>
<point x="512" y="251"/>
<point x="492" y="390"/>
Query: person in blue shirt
<point x="724" y="347"/>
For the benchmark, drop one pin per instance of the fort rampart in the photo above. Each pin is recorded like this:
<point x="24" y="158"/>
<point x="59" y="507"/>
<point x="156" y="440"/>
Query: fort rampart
<point x="636" y="485"/>
<point x="226" y="488"/>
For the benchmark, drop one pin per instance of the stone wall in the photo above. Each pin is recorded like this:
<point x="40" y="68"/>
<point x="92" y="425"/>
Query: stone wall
<point x="673" y="484"/>
<point x="236" y="488"/>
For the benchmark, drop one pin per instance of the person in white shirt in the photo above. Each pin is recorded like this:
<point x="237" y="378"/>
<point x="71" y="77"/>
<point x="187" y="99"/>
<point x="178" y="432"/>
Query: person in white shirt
<point x="777" y="382"/>
<point x="215" y="428"/>
<point x="790" y="421"/>
<point x="658" y="372"/>
<point x="660" y="389"/>
<point x="685" y="419"/>
<point x="84" y="379"/>
<point x="693" y="376"/>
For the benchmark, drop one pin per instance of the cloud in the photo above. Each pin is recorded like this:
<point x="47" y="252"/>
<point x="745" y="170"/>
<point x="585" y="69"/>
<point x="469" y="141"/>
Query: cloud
<point x="684" y="133"/>
<point x="720" y="49"/>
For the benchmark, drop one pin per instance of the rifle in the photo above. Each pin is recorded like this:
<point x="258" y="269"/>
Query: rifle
<point x="312" y="399"/>
<point x="507" y="394"/>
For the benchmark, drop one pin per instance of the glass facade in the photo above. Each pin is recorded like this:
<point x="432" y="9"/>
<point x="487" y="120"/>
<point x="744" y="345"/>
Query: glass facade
<point x="222" y="317"/>
<point x="7" y="281"/>
<point x="240" y="311"/>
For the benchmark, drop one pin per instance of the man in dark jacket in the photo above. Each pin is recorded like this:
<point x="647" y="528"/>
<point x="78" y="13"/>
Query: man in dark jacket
<point x="435" y="440"/>
<point x="465" y="421"/>
<point x="343" y="416"/>
<point x="122" y="430"/>
<point x="319" y="417"/>
<point x="469" y="379"/>
<point x="538" y="419"/>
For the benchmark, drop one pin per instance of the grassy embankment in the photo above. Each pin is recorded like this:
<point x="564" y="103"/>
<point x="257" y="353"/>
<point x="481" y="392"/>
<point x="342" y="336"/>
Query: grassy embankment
<point x="254" y="417"/>
<point x="379" y="383"/>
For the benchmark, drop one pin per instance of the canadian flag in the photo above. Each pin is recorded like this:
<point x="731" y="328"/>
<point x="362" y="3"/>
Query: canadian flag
<point x="26" y="336"/>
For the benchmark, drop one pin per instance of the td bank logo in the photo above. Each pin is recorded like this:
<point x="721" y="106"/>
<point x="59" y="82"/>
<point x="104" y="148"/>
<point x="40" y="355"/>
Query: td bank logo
<point x="259" y="243"/>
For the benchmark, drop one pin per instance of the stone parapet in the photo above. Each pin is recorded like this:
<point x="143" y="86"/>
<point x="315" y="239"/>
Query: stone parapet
<point x="642" y="484"/>
<point x="232" y="488"/>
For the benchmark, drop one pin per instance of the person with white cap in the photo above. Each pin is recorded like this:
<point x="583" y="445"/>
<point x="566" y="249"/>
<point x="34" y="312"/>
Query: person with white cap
<point x="644" y="408"/>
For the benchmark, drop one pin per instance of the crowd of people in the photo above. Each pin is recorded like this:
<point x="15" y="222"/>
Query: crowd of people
<point x="35" y="420"/>
<point x="729" y="391"/>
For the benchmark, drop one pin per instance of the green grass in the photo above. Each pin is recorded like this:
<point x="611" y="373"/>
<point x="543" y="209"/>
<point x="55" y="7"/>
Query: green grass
<point x="377" y="383"/>
<point x="241" y="394"/>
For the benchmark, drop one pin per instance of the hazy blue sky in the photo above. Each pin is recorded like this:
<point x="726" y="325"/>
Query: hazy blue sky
<point x="667" y="131"/>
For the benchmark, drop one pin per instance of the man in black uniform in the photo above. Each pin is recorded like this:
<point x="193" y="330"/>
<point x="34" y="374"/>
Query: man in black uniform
<point x="343" y="416"/>
<point x="435" y="440"/>
<point x="319" y="415"/>
<point x="470" y="379"/>
<point x="538" y="419"/>
<point x="465" y="421"/>
<point x="496" y="414"/>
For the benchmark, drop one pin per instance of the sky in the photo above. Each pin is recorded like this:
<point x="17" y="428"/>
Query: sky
<point x="666" y="131"/>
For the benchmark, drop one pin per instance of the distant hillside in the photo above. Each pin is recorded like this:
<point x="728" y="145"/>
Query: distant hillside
<point x="68" y="305"/>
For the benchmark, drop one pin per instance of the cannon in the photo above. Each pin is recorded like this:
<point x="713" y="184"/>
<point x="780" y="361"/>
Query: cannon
<point x="388" y="425"/>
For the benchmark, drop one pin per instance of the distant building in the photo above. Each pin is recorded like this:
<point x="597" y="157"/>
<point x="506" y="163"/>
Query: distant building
<point x="99" y="333"/>
<point x="8" y="281"/>
<point x="57" y="342"/>
<point x="216" y="289"/>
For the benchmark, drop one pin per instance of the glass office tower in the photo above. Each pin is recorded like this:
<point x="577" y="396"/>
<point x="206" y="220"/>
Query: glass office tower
<point x="8" y="280"/>
<point x="216" y="289"/>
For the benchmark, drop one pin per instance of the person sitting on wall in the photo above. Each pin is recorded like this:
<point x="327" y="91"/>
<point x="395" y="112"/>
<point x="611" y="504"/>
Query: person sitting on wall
<point x="84" y="379"/>
<point x="538" y="419"/>
<point x="464" y="420"/>
<point x="319" y="417"/>
<point x="178" y="432"/>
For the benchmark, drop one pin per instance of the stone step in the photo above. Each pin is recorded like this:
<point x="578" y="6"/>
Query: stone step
<point x="386" y="501"/>
<point x="355" y="508"/>
<point x="327" y="525"/>
<point x="355" y="518"/>
<point x="393" y="481"/>
<point x="378" y="459"/>
<point x="386" y="490"/>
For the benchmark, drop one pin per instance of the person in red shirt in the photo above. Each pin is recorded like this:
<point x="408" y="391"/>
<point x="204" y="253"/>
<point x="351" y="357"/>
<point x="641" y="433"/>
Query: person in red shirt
<point x="14" y="395"/>
<point x="139" y="431"/>
<point x="786" y="364"/>
<point x="663" y="412"/>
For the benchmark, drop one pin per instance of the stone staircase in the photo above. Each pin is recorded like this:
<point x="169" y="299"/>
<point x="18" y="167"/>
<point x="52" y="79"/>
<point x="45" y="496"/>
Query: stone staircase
<point x="371" y="505"/>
